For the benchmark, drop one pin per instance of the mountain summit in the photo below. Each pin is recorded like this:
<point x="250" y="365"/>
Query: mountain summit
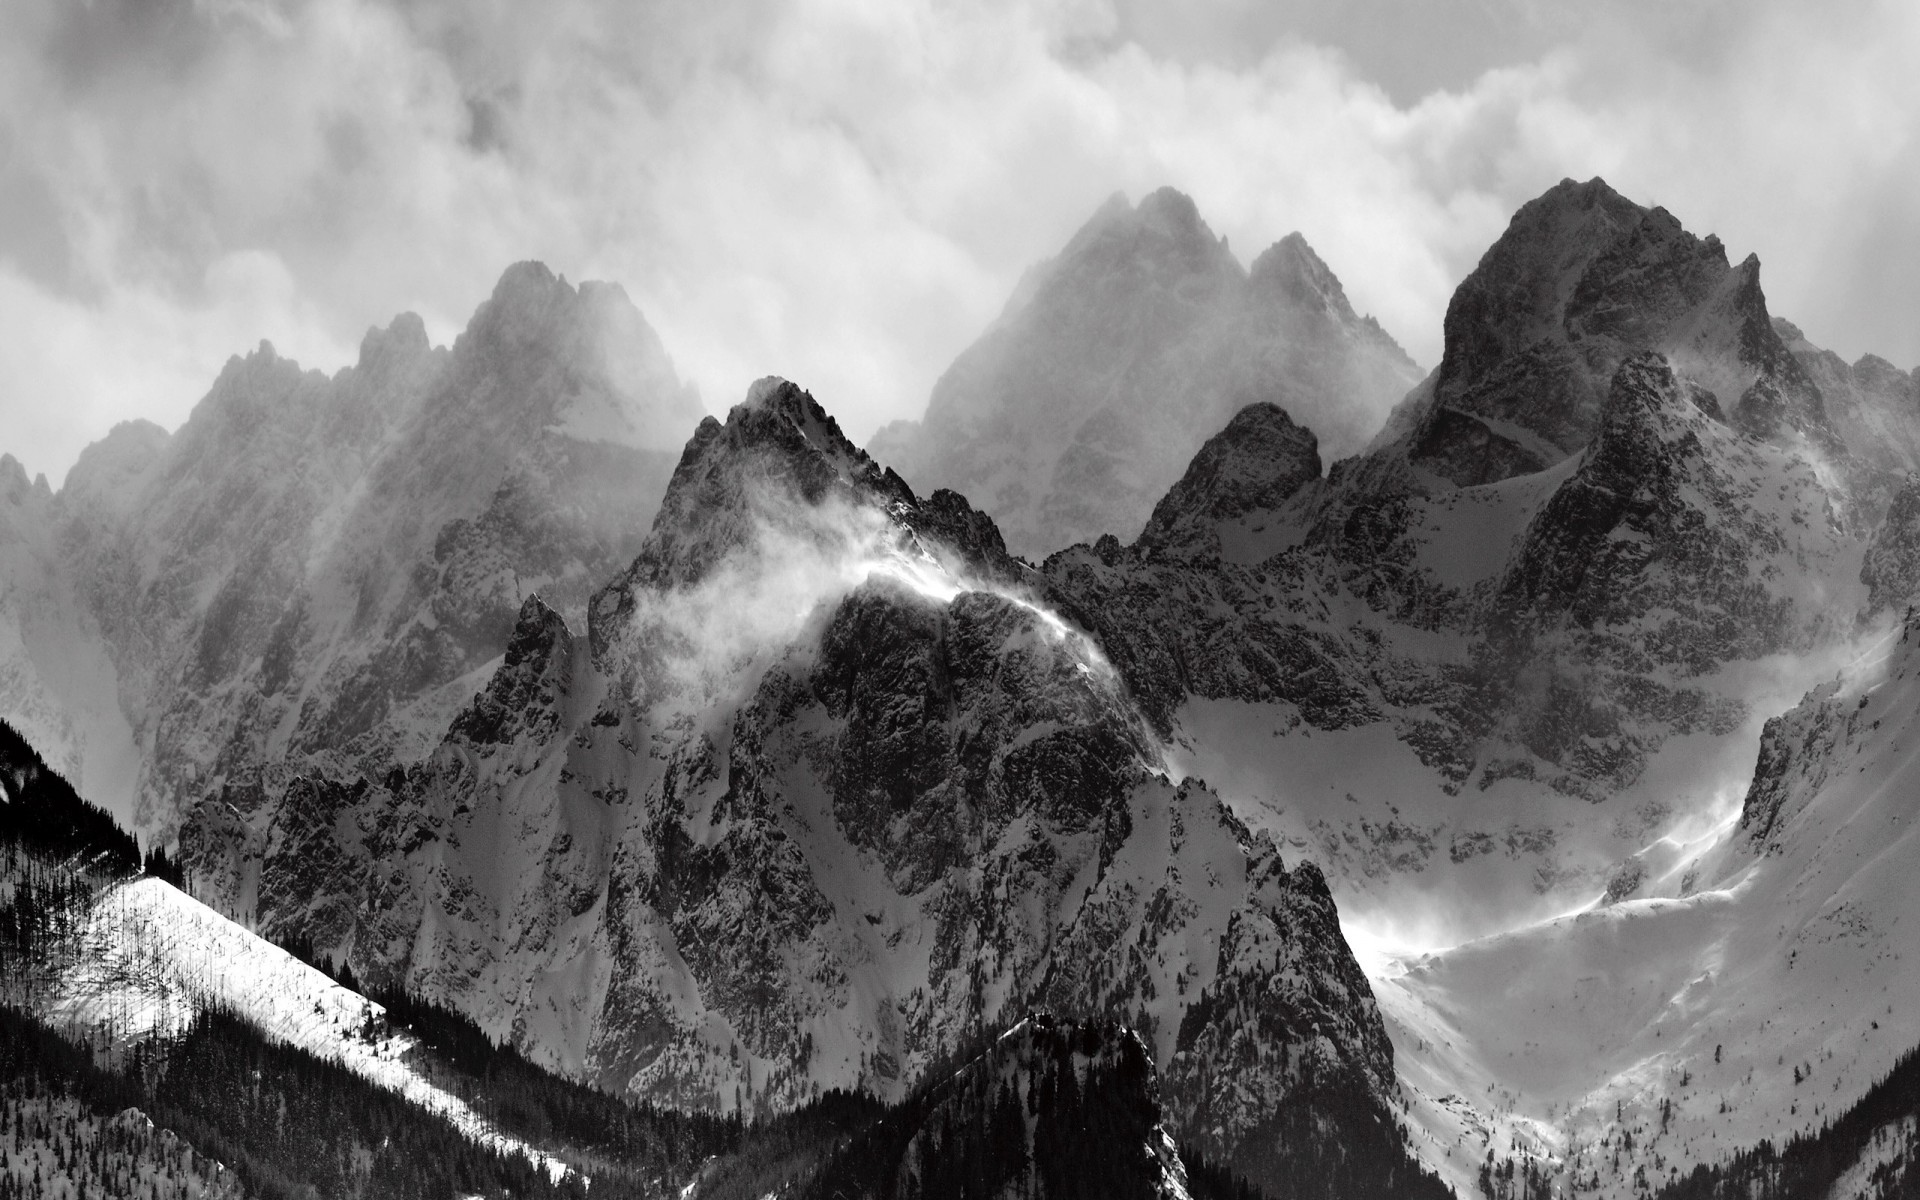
<point x="826" y="791"/>
<point x="1083" y="403"/>
<point x="1583" y="279"/>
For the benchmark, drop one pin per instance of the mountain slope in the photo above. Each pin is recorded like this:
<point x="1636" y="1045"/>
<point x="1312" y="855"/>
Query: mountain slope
<point x="1083" y="402"/>
<point x="58" y="684"/>
<point x="821" y="791"/>
<point x="1872" y="405"/>
<point x="1745" y="988"/>
<point x="328" y="566"/>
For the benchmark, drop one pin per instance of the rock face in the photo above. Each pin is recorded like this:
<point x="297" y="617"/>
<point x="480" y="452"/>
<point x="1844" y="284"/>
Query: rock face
<point x="823" y="782"/>
<point x="317" y="565"/>
<point x="819" y="793"/>
<point x="1252" y="466"/>
<point x="1076" y="410"/>
<point x="1582" y="280"/>
<point x="1891" y="566"/>
<point x="1580" y="639"/>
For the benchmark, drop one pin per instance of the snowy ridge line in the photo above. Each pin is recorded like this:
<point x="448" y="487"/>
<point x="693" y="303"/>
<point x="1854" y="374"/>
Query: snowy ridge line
<point x="152" y="958"/>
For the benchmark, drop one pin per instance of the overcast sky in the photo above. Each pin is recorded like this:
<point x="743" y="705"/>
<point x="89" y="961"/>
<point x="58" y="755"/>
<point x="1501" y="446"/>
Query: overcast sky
<point x="844" y="191"/>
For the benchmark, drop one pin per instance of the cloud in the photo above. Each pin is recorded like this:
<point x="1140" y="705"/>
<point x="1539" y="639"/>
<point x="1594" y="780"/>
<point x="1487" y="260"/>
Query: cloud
<point x="844" y="191"/>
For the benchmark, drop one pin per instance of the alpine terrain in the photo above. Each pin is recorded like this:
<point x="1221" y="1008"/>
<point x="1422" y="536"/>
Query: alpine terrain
<point x="1146" y="774"/>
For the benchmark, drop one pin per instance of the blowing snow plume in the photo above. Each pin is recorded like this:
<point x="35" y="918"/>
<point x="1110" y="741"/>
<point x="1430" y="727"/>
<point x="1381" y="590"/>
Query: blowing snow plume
<point x="771" y="519"/>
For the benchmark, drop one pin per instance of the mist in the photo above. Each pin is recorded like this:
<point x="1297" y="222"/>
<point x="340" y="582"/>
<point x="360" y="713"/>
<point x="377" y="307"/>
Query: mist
<point x="696" y="651"/>
<point x="848" y="193"/>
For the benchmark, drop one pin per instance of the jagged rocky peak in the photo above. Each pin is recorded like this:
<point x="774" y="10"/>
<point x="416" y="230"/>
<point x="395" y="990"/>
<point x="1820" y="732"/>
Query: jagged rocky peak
<point x="404" y="338"/>
<point x="316" y="564"/>
<point x="777" y="447"/>
<point x="1891" y="566"/>
<point x="1252" y="466"/>
<point x="778" y="488"/>
<point x="1291" y="269"/>
<point x="1583" y="279"/>
<point x="14" y="484"/>
<point x="109" y="480"/>
<point x="630" y="394"/>
<point x="534" y="675"/>
<point x="1085" y="401"/>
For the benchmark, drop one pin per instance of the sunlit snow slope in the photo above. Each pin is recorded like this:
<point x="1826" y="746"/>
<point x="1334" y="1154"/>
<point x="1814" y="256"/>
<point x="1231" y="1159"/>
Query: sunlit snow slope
<point x="152" y="957"/>
<point x="1758" y="986"/>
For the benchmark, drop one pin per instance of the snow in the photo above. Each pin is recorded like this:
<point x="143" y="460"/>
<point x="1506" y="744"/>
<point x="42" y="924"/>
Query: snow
<point x="1891" y="1144"/>
<point x="153" y="957"/>
<point x="1777" y="988"/>
<point x="1468" y="535"/>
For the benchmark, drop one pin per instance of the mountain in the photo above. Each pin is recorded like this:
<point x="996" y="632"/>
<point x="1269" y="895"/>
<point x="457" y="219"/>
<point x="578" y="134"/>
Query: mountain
<point x="1872" y="405"/>
<point x="1486" y="806"/>
<point x="1484" y="703"/>
<point x="830" y="780"/>
<point x="1084" y="401"/>
<point x="1744" y="988"/>
<point x="1868" y="1151"/>
<point x="821" y="791"/>
<point x="1582" y="280"/>
<point x="327" y="566"/>
<point x="150" y="1043"/>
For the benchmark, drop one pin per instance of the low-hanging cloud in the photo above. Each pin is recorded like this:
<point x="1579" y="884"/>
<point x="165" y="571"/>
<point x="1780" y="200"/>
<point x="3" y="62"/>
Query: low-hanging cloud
<point x="845" y="191"/>
<point x="697" y="649"/>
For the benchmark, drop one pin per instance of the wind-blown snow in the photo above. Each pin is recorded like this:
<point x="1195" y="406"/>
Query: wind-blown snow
<point x="1759" y="991"/>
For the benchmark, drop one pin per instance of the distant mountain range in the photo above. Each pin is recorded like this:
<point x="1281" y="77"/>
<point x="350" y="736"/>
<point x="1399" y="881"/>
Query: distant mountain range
<point x="1368" y="827"/>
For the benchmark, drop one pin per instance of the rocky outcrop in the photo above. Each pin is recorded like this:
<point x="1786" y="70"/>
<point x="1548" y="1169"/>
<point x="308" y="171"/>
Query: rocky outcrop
<point x="1578" y="635"/>
<point x="1252" y="466"/>
<point x="1075" y="411"/>
<point x="1891" y="566"/>
<point x="1582" y="280"/>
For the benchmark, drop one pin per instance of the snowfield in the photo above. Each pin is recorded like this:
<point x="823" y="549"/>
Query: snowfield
<point x="153" y="957"/>
<point x="1758" y="993"/>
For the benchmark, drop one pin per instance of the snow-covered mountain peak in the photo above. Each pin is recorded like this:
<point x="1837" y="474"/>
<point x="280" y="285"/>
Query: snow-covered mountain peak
<point x="596" y="330"/>
<point x="778" y="462"/>
<point x="790" y="407"/>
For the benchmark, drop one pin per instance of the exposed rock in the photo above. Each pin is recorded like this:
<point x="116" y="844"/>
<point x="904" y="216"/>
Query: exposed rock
<point x="1891" y="566"/>
<point x="1582" y="280"/>
<point x="1253" y="465"/>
